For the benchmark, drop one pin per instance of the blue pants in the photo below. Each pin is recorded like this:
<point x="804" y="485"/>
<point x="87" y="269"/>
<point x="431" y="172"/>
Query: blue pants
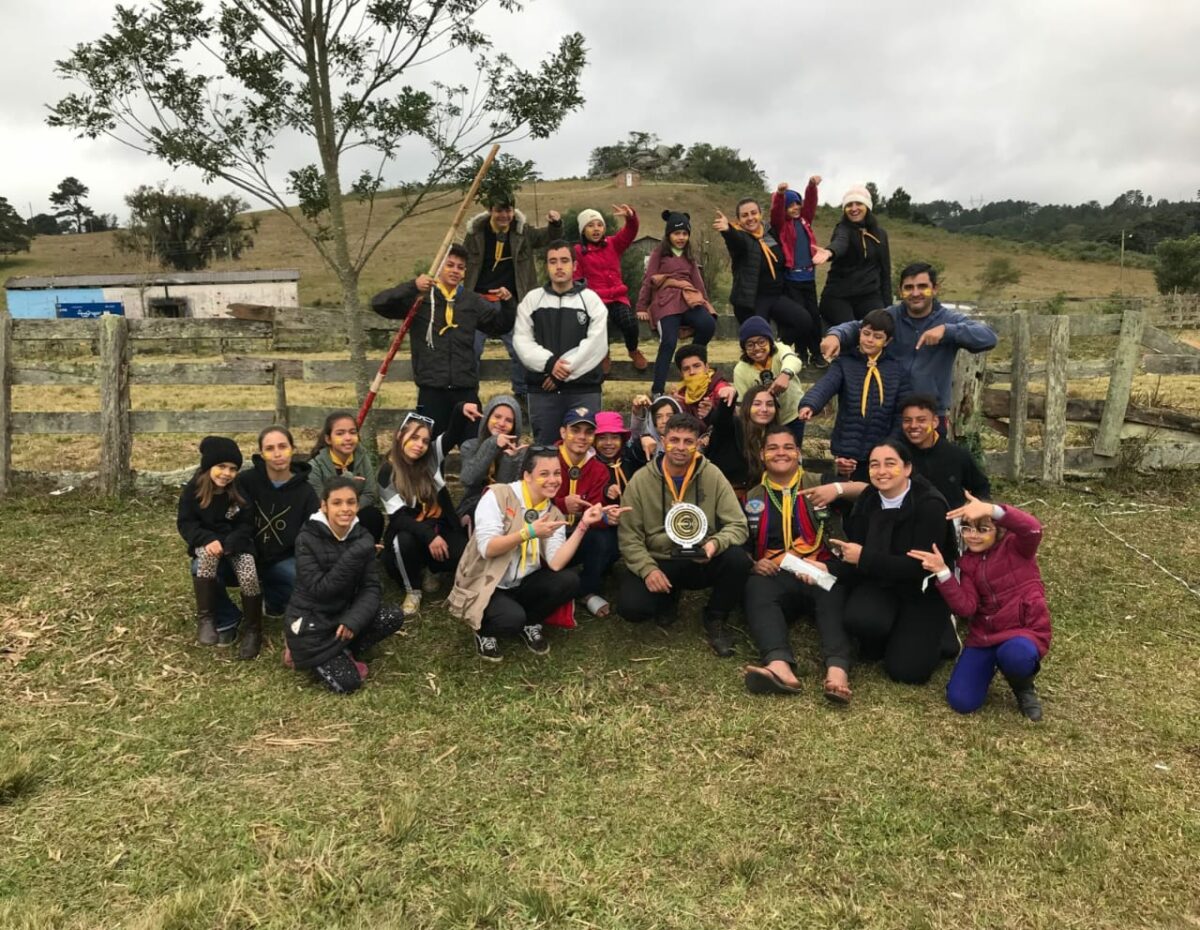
<point x="277" y="582"/>
<point x="519" y="388"/>
<point x="700" y="320"/>
<point x="972" y="675"/>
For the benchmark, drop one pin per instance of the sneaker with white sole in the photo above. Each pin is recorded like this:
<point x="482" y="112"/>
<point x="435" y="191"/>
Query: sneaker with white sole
<point x="487" y="648"/>
<point x="535" y="640"/>
<point x="412" y="603"/>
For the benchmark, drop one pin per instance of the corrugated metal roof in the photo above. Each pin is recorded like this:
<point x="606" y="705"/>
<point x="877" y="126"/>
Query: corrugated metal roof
<point x="30" y="282"/>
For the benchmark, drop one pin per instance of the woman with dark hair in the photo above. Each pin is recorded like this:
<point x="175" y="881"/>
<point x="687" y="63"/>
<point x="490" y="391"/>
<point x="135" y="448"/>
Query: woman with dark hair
<point x="860" y="278"/>
<point x="337" y="453"/>
<point x="735" y="444"/>
<point x="759" y="271"/>
<point x="892" y="608"/>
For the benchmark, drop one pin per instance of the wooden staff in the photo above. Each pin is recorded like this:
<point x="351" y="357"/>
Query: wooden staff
<point x="433" y="271"/>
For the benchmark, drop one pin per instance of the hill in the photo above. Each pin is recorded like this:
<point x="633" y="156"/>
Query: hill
<point x="280" y="245"/>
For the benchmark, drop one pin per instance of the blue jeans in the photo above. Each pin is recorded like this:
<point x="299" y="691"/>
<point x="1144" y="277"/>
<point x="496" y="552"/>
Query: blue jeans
<point x="519" y="387"/>
<point x="277" y="582"/>
<point x="972" y="675"/>
<point x="704" y="325"/>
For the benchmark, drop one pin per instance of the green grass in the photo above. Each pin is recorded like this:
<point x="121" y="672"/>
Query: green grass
<point x="626" y="781"/>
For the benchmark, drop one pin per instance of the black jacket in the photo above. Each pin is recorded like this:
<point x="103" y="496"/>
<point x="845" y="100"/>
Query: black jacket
<point x="887" y="535"/>
<point x="860" y="265"/>
<point x="336" y="585"/>
<point x="278" y="513"/>
<point x="951" y="469"/>
<point x="746" y="257"/>
<point x="447" y="360"/>
<point x="221" y="520"/>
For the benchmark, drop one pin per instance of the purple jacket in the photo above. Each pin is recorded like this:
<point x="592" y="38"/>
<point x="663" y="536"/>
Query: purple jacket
<point x="1000" y="591"/>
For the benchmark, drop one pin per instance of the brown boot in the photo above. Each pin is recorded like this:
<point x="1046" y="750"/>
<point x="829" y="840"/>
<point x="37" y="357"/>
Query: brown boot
<point x="639" y="360"/>
<point x="206" y="622"/>
<point x="251" y="627"/>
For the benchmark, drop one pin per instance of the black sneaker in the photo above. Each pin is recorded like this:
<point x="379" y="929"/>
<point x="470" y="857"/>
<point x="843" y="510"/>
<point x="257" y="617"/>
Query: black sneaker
<point x="719" y="637"/>
<point x="487" y="648"/>
<point x="227" y="637"/>
<point x="534" y="639"/>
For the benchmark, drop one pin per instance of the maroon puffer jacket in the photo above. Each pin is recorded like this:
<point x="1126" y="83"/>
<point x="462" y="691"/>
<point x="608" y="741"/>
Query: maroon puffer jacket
<point x="599" y="264"/>
<point x="1000" y="591"/>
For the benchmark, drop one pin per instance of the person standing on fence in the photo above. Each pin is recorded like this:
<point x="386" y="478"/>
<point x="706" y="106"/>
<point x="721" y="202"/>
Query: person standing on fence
<point x="673" y="295"/>
<point x="442" y="339"/>
<point x="561" y="337"/>
<point x="860" y="276"/>
<point x="217" y="526"/>
<point x="281" y="499"/>
<point x="928" y="336"/>
<point x="501" y="248"/>
<point x="792" y="216"/>
<point x="598" y="266"/>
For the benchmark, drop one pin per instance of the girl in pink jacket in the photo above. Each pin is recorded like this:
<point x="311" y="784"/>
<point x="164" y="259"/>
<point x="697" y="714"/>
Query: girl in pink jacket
<point x="999" y="591"/>
<point x="598" y="265"/>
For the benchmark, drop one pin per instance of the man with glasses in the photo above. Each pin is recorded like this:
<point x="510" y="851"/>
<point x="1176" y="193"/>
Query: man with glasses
<point x="928" y="336"/>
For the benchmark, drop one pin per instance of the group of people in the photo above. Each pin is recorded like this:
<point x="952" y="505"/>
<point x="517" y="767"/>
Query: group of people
<point x="699" y="488"/>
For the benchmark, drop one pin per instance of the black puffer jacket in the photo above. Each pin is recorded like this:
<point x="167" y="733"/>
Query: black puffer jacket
<point x="221" y="520"/>
<point x="746" y="257"/>
<point x="445" y="360"/>
<point x="279" y="513"/>
<point x="861" y="264"/>
<point x="336" y="585"/>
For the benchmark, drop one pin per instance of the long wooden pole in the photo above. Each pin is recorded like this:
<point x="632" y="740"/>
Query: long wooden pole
<point x="434" y="268"/>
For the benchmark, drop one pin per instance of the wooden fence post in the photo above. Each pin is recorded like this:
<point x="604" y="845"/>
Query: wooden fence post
<point x="966" y="392"/>
<point x="1054" y="434"/>
<point x="1120" y="383"/>
<point x="6" y="326"/>
<point x="1018" y="394"/>
<point x="281" y="404"/>
<point x="116" y="440"/>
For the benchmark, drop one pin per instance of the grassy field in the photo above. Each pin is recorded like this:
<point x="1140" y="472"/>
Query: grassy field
<point x="280" y="245"/>
<point x="625" y="781"/>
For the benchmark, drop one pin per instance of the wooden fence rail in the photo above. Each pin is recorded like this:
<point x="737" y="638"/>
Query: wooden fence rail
<point x="124" y="352"/>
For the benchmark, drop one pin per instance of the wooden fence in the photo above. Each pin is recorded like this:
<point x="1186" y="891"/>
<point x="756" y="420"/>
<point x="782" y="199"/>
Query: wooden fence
<point x="31" y="353"/>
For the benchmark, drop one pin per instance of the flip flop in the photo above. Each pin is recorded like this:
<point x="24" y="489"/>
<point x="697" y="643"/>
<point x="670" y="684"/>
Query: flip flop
<point x="835" y="694"/>
<point x="760" y="680"/>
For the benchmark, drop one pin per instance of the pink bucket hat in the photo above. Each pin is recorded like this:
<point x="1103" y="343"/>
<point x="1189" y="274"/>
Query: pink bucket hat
<point x="610" y="422"/>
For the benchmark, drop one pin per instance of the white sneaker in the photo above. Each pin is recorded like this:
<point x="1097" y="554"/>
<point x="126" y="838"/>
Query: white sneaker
<point x="412" y="603"/>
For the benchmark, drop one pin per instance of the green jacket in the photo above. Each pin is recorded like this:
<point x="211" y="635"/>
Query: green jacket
<point x="640" y="533"/>
<point x="321" y="469"/>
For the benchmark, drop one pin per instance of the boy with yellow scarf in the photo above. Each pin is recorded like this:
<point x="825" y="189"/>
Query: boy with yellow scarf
<point x="700" y="390"/>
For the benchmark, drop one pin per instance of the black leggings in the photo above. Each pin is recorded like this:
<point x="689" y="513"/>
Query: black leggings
<point x="537" y="596"/>
<point x="773" y="600"/>
<point x="623" y="318"/>
<point x="906" y="630"/>
<point x="406" y="556"/>
<point x="804" y="293"/>
<point x="340" y="674"/>
<point x="790" y="318"/>
<point x="835" y="310"/>
<point x="372" y="520"/>
<point x="725" y="575"/>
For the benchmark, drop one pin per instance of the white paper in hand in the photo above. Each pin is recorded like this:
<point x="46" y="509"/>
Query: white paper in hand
<point x="798" y="566"/>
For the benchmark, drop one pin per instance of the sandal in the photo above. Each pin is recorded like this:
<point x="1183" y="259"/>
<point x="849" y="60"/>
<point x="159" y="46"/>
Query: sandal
<point x="837" y="693"/>
<point x="761" y="680"/>
<point x="597" y="606"/>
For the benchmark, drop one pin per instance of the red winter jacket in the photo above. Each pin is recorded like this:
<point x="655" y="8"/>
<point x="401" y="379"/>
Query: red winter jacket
<point x="591" y="485"/>
<point x="782" y="223"/>
<point x="1000" y="591"/>
<point x="599" y="264"/>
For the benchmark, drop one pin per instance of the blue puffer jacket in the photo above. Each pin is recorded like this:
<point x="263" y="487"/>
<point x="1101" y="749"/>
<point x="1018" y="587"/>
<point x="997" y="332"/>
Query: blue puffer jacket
<point x="853" y="434"/>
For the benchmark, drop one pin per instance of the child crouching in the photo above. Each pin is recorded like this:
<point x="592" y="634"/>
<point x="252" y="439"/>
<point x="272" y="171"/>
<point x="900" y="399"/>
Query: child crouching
<point x="334" y="615"/>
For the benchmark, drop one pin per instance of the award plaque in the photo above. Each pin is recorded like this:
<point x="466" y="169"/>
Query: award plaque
<point x="686" y="526"/>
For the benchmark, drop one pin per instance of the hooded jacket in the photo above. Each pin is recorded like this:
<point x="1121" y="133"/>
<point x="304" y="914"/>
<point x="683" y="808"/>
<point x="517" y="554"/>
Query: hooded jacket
<point x="787" y="228"/>
<point x="643" y="540"/>
<point x="571" y="326"/>
<point x="336" y="585"/>
<point x="481" y="461"/>
<point x="279" y="513"/>
<point x="860" y="265"/>
<point x="221" y="520"/>
<point x="524" y="241"/>
<point x="445" y="359"/>
<point x="1000" y="591"/>
<point x="855" y="435"/>
<point x="643" y="425"/>
<point x="598" y="264"/>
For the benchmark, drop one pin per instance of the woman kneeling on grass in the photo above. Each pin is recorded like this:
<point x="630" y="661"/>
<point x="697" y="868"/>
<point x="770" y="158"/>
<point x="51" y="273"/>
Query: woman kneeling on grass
<point x="514" y="575"/>
<point x="999" y="590"/>
<point x="334" y="615"/>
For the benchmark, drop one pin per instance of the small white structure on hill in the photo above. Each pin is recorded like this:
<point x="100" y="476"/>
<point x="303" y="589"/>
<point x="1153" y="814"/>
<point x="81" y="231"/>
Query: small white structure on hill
<point x="199" y="294"/>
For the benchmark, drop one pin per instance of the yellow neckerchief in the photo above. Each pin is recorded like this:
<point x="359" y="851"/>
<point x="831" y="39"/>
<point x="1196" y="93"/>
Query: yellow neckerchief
<point x="529" y="548"/>
<point x="865" y="236"/>
<point x="787" y="510"/>
<point x="872" y="372"/>
<point x="765" y="366"/>
<point x="618" y="474"/>
<point x="501" y="239"/>
<point x="430" y="511"/>
<point x="572" y="483"/>
<point x="449" y="296"/>
<point x="677" y="496"/>
<point x="339" y="463"/>
<point x="763" y="244"/>
<point x="694" y="388"/>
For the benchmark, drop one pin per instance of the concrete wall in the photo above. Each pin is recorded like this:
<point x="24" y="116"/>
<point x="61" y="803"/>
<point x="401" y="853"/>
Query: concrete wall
<point x="204" y="300"/>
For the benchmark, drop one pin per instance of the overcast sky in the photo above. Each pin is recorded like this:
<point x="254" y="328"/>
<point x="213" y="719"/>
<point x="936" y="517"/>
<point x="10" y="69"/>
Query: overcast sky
<point x="1057" y="101"/>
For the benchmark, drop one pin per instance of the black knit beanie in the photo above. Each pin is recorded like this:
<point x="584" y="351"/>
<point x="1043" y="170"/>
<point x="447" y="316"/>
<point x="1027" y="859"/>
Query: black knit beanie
<point x="214" y="450"/>
<point x="676" y="221"/>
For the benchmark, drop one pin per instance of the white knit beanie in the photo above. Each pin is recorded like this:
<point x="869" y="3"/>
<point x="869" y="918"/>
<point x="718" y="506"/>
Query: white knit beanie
<point x="857" y="195"/>
<point x="586" y="216"/>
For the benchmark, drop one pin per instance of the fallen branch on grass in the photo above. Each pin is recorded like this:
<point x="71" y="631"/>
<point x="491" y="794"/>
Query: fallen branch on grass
<point x="1166" y="571"/>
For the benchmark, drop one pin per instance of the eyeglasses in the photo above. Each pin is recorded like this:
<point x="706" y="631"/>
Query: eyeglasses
<point x="983" y="529"/>
<point x="758" y="343"/>
<point x="916" y="289"/>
